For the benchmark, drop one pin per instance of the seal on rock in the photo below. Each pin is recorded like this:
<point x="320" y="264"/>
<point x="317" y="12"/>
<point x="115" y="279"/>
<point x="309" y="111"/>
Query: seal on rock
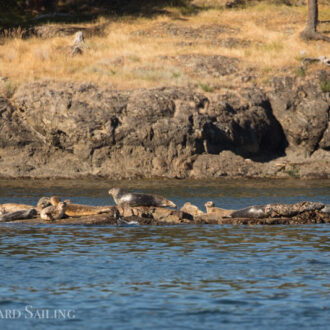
<point x="217" y="211"/>
<point x="123" y="198"/>
<point x="277" y="210"/>
<point x="52" y="212"/>
<point x="18" y="215"/>
<point x="13" y="207"/>
<point x="43" y="203"/>
<point x="191" y="209"/>
<point x="79" y="210"/>
<point x="255" y="211"/>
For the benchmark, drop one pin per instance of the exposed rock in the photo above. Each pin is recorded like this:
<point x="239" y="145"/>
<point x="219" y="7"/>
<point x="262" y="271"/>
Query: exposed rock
<point x="277" y="210"/>
<point x="79" y="45"/>
<point x="53" y="30"/>
<point x="54" y="129"/>
<point x="234" y="3"/>
<point x="162" y="216"/>
<point x="302" y="109"/>
<point x="86" y="130"/>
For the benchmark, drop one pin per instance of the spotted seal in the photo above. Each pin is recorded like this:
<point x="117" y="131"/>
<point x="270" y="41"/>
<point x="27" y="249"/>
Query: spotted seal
<point x="191" y="209"/>
<point x="277" y="210"/>
<point x="13" y="207"/>
<point x="254" y="211"/>
<point x="217" y="211"/>
<point x="18" y="215"/>
<point x="79" y="210"/>
<point x="123" y="198"/>
<point x="53" y="212"/>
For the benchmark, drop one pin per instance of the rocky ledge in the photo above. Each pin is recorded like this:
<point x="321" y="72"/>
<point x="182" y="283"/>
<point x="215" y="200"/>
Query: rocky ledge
<point x="270" y="214"/>
<point x="70" y="130"/>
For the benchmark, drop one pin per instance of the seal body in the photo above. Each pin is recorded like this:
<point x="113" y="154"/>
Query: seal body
<point x="18" y="215"/>
<point x="43" y="203"/>
<point x="217" y="211"/>
<point x="255" y="211"/>
<point x="52" y="212"/>
<point x="79" y="210"/>
<point x="13" y="207"/>
<point x="191" y="209"/>
<point x="277" y="210"/>
<point x="122" y="198"/>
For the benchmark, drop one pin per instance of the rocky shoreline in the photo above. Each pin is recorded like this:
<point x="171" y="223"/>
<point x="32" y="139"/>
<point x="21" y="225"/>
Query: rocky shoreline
<point x="158" y="216"/>
<point x="72" y="130"/>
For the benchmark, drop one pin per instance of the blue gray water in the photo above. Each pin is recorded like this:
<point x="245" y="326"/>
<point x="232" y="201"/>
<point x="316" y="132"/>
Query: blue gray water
<point x="180" y="277"/>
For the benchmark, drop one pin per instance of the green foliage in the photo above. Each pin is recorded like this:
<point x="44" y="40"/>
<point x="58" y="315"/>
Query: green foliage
<point x="325" y="86"/>
<point x="300" y="72"/>
<point x="206" y="87"/>
<point x="7" y="88"/>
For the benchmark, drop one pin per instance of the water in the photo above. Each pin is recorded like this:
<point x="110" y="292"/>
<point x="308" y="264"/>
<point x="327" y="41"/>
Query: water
<point x="179" y="277"/>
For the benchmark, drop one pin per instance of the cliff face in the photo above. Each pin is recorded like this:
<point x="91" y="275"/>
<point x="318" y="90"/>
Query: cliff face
<point x="52" y="129"/>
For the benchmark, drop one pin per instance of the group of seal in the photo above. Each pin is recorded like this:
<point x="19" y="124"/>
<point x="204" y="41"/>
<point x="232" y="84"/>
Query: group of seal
<point x="52" y="208"/>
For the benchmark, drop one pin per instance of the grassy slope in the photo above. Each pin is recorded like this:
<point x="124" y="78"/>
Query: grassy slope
<point x="123" y="59"/>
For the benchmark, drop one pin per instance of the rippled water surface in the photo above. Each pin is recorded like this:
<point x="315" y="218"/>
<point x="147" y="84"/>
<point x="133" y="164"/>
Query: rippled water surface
<point x="179" y="277"/>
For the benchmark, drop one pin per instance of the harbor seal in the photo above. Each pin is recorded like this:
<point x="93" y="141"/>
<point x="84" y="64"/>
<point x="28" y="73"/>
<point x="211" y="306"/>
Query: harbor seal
<point x="18" y="215"/>
<point x="191" y="209"/>
<point x="255" y="211"/>
<point x="43" y="203"/>
<point x="217" y="211"/>
<point x="277" y="210"/>
<point x="122" y="198"/>
<point x="52" y="212"/>
<point x="79" y="210"/>
<point x="13" y="207"/>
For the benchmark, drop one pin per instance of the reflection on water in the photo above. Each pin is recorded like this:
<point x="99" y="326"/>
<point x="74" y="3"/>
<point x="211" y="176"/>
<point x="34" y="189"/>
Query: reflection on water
<point x="187" y="277"/>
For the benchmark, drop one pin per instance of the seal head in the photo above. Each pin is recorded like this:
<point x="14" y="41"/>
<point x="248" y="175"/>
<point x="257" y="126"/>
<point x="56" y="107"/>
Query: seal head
<point x="53" y="212"/>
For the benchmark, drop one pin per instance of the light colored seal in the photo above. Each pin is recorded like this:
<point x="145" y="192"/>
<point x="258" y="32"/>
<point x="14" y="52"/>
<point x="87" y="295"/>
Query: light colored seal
<point x="43" y="203"/>
<point x="79" y="210"/>
<point x="217" y="211"/>
<point x="122" y="198"/>
<point x="13" y="207"/>
<point x="52" y="212"/>
<point x="326" y="209"/>
<point x="191" y="209"/>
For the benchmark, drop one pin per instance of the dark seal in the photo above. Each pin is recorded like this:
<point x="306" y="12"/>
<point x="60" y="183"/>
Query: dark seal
<point x="122" y="198"/>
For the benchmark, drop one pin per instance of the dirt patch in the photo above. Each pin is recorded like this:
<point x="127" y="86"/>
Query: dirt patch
<point x="205" y="32"/>
<point x="206" y="65"/>
<point x="53" y="30"/>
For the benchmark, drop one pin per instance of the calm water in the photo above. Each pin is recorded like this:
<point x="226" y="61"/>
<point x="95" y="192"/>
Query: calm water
<point x="180" y="277"/>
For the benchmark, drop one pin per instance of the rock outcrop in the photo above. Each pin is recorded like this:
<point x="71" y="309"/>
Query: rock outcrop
<point x="300" y="213"/>
<point x="61" y="129"/>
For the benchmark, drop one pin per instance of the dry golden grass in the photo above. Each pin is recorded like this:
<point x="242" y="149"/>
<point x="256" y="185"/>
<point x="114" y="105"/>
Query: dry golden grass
<point x="125" y="59"/>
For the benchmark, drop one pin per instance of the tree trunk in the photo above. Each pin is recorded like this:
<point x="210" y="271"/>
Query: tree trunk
<point x="310" y="32"/>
